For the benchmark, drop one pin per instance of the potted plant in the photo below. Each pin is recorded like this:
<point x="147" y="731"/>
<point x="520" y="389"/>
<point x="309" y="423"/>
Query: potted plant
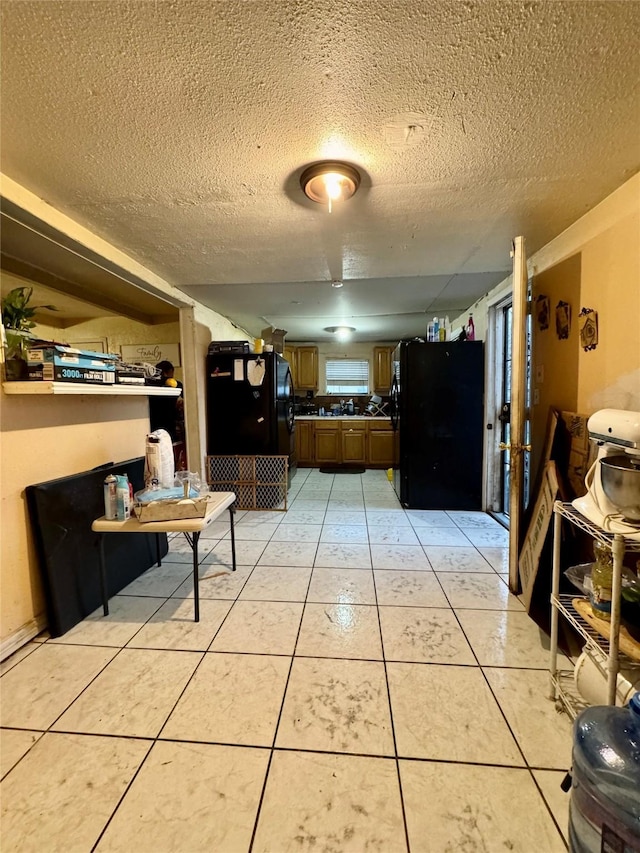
<point x="17" y="321"/>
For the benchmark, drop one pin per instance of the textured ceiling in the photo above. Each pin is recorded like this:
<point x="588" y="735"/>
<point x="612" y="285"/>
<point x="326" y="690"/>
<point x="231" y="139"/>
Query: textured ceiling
<point x="178" y="130"/>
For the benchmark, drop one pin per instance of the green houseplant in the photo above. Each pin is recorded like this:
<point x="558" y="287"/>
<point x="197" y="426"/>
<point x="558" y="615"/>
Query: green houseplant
<point x="17" y="319"/>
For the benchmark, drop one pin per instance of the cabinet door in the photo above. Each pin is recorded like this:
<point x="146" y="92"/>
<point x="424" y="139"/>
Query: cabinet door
<point x="381" y="448"/>
<point x="382" y="369"/>
<point x="354" y="445"/>
<point x="327" y="448"/>
<point x="307" y="368"/>
<point x="304" y="442"/>
<point x="290" y="354"/>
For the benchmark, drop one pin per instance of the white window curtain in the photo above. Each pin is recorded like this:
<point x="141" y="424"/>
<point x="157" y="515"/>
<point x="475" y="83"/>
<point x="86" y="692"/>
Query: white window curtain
<point x="347" y="376"/>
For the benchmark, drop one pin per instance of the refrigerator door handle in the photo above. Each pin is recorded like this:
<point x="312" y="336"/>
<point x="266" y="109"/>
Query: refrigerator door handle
<point x="288" y="382"/>
<point x="393" y="411"/>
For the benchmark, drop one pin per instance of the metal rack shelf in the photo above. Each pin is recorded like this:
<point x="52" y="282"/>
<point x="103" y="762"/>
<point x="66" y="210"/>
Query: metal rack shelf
<point x="566" y="510"/>
<point x="566" y="693"/>
<point x="562" y="687"/>
<point x="564" y="603"/>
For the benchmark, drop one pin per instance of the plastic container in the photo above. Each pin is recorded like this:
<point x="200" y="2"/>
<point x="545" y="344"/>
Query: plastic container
<point x="604" y="812"/>
<point x="601" y="581"/>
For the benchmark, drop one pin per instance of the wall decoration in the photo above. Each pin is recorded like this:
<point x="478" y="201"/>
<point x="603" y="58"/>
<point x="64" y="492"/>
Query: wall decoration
<point x="588" y="323"/>
<point x="563" y="320"/>
<point x="542" y="312"/>
<point x="151" y="353"/>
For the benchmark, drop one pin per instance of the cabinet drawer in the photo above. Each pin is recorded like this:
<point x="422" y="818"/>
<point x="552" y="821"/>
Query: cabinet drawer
<point x="383" y="426"/>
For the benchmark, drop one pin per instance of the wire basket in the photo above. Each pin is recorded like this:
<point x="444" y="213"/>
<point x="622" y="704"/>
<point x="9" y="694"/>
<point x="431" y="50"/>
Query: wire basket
<point x="259" y="482"/>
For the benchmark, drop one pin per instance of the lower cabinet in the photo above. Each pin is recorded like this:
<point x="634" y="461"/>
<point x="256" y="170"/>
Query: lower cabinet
<point x="305" y="451"/>
<point x="344" y="442"/>
<point x="354" y="445"/>
<point x="327" y="445"/>
<point x="381" y="448"/>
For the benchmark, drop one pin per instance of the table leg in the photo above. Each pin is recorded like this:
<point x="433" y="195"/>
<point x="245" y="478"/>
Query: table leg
<point x="233" y="539"/>
<point x="158" y="549"/>
<point x="196" y="584"/>
<point x="103" y="576"/>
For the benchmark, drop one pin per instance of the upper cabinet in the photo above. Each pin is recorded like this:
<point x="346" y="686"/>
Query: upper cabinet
<point x="289" y="353"/>
<point x="306" y="371"/>
<point x="382" y="369"/>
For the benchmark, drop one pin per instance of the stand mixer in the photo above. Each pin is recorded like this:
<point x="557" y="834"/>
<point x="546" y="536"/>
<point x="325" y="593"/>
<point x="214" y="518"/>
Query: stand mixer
<point x="613" y="481"/>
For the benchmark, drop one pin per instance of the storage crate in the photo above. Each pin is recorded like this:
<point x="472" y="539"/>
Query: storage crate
<point x="173" y="509"/>
<point x="259" y="482"/>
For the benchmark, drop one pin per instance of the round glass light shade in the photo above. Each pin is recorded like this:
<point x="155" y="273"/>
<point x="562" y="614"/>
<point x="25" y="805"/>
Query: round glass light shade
<point x="329" y="181"/>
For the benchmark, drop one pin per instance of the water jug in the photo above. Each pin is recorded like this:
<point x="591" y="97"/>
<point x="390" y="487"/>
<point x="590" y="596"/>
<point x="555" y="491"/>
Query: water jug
<point x="604" y="813"/>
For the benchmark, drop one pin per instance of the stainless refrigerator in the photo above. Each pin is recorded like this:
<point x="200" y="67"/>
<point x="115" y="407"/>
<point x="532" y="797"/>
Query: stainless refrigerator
<point x="250" y="400"/>
<point x="437" y="413"/>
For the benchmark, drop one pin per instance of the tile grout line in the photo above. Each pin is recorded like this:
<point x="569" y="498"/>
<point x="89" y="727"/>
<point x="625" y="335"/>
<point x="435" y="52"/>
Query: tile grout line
<point x="508" y="725"/>
<point x="393" y="729"/>
<point x="161" y="729"/>
<point x="277" y="726"/>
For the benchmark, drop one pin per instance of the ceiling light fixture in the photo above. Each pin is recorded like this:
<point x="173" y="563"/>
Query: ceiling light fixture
<point x="342" y="333"/>
<point x="329" y="181"/>
<point x="337" y="283"/>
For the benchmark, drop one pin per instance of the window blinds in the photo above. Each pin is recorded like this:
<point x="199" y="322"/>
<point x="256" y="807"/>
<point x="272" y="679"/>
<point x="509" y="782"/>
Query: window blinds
<point x="347" y="376"/>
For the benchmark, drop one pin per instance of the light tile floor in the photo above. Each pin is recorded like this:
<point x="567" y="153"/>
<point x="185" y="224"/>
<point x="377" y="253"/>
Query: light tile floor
<point x="364" y="682"/>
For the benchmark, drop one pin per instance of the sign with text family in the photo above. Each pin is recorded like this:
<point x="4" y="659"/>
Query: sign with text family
<point x="151" y="353"/>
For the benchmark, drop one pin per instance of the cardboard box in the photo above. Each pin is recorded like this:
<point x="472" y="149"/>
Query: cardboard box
<point x="529" y="559"/>
<point x="275" y="337"/>
<point x="61" y="356"/>
<point x="581" y="451"/>
<point x="69" y="373"/>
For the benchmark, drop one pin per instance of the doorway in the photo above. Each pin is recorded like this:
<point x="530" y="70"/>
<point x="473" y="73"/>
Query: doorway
<point x="499" y="400"/>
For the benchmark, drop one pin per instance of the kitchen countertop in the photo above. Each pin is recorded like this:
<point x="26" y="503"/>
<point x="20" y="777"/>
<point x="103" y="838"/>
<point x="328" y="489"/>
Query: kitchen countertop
<point x="343" y="418"/>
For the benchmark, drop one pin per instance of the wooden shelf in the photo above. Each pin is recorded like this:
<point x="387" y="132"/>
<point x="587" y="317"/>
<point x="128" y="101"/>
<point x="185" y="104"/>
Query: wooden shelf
<point x="80" y="388"/>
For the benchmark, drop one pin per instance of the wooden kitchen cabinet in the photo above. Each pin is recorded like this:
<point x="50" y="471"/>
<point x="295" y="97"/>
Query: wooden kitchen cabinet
<point x="306" y="368"/>
<point x="380" y="445"/>
<point x="382" y="369"/>
<point x="289" y="353"/>
<point x="327" y="443"/>
<point x="345" y="441"/>
<point x="353" y="444"/>
<point x="305" y="442"/>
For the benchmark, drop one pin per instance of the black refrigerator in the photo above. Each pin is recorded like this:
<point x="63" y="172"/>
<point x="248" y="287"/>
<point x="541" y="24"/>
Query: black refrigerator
<point x="437" y="414"/>
<point x="250" y="406"/>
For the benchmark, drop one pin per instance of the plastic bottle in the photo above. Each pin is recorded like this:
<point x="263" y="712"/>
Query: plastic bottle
<point x="601" y="581"/>
<point x="442" y="331"/>
<point x="430" y="333"/>
<point x="471" y="329"/>
<point x="604" y="812"/>
<point x="123" y="510"/>
<point x="436" y="329"/>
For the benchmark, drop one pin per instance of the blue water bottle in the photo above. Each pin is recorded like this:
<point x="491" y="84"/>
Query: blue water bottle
<point x="604" y="813"/>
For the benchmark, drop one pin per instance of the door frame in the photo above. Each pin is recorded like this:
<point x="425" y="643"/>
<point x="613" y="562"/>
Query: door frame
<point x="494" y="380"/>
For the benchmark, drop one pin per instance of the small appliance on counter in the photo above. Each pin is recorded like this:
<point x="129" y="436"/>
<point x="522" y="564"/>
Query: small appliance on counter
<point x="613" y="481"/>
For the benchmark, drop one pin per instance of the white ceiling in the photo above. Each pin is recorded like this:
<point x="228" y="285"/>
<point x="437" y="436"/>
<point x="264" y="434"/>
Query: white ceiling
<point x="178" y="131"/>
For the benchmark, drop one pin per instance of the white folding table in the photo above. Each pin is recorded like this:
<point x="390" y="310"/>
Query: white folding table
<point x="190" y="527"/>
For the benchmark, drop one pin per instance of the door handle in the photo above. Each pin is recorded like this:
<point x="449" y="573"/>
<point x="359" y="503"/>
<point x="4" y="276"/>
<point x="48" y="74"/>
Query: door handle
<point x="517" y="448"/>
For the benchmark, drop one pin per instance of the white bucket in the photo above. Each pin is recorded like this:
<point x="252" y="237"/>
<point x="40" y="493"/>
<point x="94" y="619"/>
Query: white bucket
<point x="590" y="677"/>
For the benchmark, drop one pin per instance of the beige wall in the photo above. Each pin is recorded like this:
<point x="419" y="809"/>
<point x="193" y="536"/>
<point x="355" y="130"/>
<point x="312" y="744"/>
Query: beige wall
<point x="41" y="438"/>
<point x="605" y="243"/>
